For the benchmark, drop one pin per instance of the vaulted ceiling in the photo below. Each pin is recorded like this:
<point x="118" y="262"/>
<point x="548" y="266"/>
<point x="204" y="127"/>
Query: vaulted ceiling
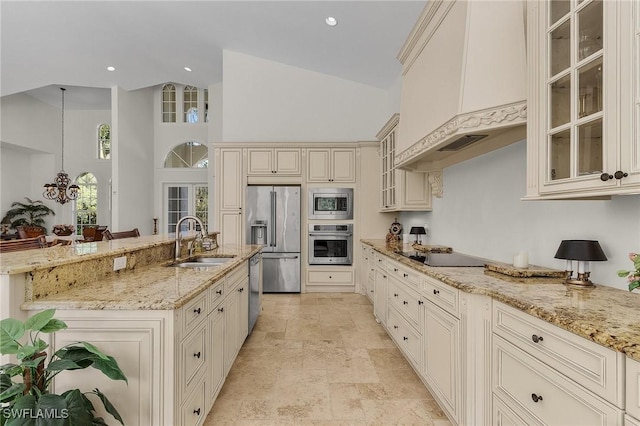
<point x="45" y="43"/>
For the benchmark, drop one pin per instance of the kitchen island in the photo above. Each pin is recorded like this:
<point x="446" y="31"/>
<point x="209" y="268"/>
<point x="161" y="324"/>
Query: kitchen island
<point x="492" y="348"/>
<point x="174" y="331"/>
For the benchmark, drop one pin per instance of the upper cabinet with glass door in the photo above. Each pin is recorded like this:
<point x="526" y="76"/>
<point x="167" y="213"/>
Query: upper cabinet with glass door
<point x="579" y="134"/>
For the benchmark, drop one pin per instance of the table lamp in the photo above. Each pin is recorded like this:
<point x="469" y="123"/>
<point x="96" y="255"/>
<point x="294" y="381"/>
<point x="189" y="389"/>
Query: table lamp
<point x="417" y="231"/>
<point x="582" y="251"/>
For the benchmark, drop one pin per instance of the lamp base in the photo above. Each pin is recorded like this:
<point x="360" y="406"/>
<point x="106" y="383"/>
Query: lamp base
<point x="582" y="280"/>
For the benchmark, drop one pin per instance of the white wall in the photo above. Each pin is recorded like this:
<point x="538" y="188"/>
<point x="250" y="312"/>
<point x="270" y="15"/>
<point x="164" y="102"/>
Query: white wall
<point x="132" y="159"/>
<point x="481" y="214"/>
<point x="270" y="101"/>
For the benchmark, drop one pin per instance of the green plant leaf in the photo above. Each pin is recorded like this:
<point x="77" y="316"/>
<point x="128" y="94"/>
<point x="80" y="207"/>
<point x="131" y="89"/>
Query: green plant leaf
<point x="33" y="363"/>
<point x="39" y="320"/>
<point x="53" y="325"/>
<point x="26" y="351"/>
<point x="634" y="285"/>
<point x="5" y="382"/>
<point x="622" y="273"/>
<point x="10" y="369"/>
<point x="51" y="403"/>
<point x="108" y="406"/>
<point x="79" y="412"/>
<point x="62" y="364"/>
<point x="93" y="349"/>
<point x="110" y="368"/>
<point x="11" y="330"/>
<point x="41" y="345"/>
<point x="77" y="354"/>
<point x="27" y="402"/>
<point x="11" y="392"/>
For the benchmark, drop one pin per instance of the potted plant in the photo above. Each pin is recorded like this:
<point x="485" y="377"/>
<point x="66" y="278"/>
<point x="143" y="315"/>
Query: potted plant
<point x="31" y="213"/>
<point x="30" y="402"/>
<point x="633" y="275"/>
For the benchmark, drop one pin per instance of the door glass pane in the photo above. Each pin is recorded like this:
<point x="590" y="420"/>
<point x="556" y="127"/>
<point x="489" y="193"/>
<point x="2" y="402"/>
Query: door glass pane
<point x="590" y="88"/>
<point x="557" y="9"/>
<point x="590" y="33"/>
<point x="177" y="206"/>
<point x="561" y="155"/>
<point x="560" y="48"/>
<point x="202" y="204"/>
<point x="561" y="101"/>
<point x="590" y="148"/>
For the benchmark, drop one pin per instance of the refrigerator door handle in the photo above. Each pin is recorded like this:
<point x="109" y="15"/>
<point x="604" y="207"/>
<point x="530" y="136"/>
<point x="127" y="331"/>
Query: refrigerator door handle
<point x="273" y="219"/>
<point x="279" y="256"/>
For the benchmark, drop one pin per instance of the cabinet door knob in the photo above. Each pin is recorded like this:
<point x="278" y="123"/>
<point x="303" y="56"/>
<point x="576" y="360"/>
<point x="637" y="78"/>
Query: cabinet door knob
<point x="537" y="338"/>
<point x="220" y="309"/>
<point x="605" y="177"/>
<point x="395" y="294"/>
<point x="395" y="327"/>
<point x="395" y="269"/>
<point x="196" y="412"/>
<point x="420" y="302"/>
<point x="436" y="291"/>
<point x="405" y="338"/>
<point x="536" y="398"/>
<point x="197" y="311"/>
<point x="405" y="275"/>
<point x="620" y="174"/>
<point x="197" y="355"/>
<point x="218" y="291"/>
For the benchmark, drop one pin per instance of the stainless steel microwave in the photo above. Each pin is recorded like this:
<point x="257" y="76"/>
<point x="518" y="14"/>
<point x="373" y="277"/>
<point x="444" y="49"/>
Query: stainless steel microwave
<point x="331" y="203"/>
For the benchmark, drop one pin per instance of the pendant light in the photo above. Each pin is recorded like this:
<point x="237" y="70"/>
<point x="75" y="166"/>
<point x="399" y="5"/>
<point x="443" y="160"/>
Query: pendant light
<point x="60" y="190"/>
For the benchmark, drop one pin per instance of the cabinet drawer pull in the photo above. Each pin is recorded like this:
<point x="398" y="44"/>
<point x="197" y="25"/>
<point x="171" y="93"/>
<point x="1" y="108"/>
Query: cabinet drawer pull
<point x="405" y="275"/>
<point x="371" y="290"/>
<point x="196" y="412"/>
<point x="197" y="311"/>
<point x="395" y="294"/>
<point x="537" y="338"/>
<point x="620" y="174"/>
<point x="395" y="327"/>
<point x="605" y="177"/>
<point x="405" y="338"/>
<point x="197" y="355"/>
<point x="220" y="309"/>
<point x="536" y="398"/>
<point x="218" y="291"/>
<point x="436" y="291"/>
<point x="241" y="289"/>
<point x="420" y="302"/>
<point x="404" y="302"/>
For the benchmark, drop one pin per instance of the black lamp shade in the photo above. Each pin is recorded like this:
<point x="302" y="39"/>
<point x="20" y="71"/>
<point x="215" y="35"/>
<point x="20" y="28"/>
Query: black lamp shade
<point x="584" y="250"/>
<point x="417" y="230"/>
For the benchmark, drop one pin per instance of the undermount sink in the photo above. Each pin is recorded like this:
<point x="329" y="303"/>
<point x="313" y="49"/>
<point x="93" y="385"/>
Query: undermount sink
<point x="201" y="262"/>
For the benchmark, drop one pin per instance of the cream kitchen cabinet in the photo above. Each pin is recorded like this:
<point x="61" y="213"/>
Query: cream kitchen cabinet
<point x="403" y="317"/>
<point x="236" y="323"/>
<point x="215" y="343"/>
<point x="380" y="279"/>
<point x="632" y="391"/>
<point x="583" y="100"/>
<point x="337" y="279"/>
<point x="230" y="182"/>
<point x="400" y="190"/>
<point x="331" y="165"/>
<point x="554" y="376"/>
<point x="273" y="161"/>
<point x="366" y="272"/>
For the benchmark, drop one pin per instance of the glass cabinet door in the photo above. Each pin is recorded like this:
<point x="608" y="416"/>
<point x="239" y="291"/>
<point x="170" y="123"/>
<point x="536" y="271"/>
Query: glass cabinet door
<point x="575" y="137"/>
<point x="388" y="149"/>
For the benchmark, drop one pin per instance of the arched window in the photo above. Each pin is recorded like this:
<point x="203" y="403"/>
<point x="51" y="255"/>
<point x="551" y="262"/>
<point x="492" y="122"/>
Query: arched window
<point x="104" y="142"/>
<point x="190" y="104"/>
<point x="168" y="103"/>
<point x="87" y="202"/>
<point x="188" y="155"/>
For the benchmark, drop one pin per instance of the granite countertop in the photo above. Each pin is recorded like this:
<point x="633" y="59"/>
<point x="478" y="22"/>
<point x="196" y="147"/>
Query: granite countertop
<point x="154" y="287"/>
<point x="602" y="314"/>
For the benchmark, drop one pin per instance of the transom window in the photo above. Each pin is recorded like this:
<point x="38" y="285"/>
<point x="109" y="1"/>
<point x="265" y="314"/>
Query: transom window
<point x="168" y="103"/>
<point x="104" y="142"/>
<point x="190" y="104"/>
<point x="188" y="155"/>
<point x="87" y="202"/>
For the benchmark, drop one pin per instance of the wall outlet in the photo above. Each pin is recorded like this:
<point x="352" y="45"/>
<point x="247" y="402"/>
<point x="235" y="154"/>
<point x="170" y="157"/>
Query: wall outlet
<point x="119" y="263"/>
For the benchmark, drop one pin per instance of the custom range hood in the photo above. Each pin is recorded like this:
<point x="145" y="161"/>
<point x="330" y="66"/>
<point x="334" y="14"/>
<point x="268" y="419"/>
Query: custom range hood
<point x="463" y="84"/>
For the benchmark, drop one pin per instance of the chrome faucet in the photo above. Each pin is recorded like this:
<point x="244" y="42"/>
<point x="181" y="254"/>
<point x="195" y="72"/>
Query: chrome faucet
<point x="179" y="240"/>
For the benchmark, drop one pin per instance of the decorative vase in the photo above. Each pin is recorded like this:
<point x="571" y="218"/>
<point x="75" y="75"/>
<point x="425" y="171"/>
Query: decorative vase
<point x="63" y="233"/>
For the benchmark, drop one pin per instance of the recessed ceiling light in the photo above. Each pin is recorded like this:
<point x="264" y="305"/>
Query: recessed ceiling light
<point x="110" y="68"/>
<point x="331" y="21"/>
<point x="187" y="69"/>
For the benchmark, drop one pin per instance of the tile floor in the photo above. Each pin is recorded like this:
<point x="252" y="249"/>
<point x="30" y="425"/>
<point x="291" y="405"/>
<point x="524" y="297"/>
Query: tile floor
<point x="321" y="358"/>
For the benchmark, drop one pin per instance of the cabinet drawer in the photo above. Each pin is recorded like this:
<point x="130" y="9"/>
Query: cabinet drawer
<point x="442" y="295"/>
<point x="405" y="300"/>
<point x="404" y="274"/>
<point x="192" y="359"/>
<point x="333" y="277"/>
<point x="234" y="276"/>
<point x="405" y="336"/>
<point x="522" y="381"/>
<point x="633" y="388"/>
<point x="216" y="294"/>
<point x="503" y="415"/>
<point x="193" y="411"/>
<point x="380" y="260"/>
<point x="593" y="366"/>
<point x="194" y="312"/>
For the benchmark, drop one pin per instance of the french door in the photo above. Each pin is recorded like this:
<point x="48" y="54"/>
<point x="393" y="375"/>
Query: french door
<point x="182" y="199"/>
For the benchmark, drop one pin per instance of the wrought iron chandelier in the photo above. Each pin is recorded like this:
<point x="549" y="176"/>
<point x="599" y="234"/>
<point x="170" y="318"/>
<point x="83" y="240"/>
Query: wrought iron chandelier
<point x="60" y="190"/>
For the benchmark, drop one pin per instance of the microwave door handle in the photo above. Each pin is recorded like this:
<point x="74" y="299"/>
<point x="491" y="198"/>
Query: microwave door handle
<point x="273" y="219"/>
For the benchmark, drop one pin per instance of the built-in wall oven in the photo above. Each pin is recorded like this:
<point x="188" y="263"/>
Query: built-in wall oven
<point x="330" y="244"/>
<point x="331" y="203"/>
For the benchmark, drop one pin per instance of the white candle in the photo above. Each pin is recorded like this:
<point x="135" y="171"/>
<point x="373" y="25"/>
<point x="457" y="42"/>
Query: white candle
<point x="569" y="265"/>
<point x="521" y="260"/>
<point x="581" y="267"/>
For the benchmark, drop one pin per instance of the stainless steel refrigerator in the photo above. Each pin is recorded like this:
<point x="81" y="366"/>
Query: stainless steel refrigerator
<point x="273" y="220"/>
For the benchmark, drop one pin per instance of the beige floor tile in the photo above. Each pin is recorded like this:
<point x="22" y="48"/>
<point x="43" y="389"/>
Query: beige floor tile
<point x="321" y="359"/>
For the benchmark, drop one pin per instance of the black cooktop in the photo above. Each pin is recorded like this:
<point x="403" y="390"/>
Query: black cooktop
<point x="444" y="259"/>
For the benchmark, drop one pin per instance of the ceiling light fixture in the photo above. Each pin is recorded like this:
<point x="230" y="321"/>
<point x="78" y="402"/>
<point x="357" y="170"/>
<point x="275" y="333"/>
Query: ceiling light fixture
<point x="110" y="68"/>
<point x="331" y="21"/>
<point x="57" y="190"/>
<point x="187" y="69"/>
